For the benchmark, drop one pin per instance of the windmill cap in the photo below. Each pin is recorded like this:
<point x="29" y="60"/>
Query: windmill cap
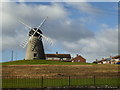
<point x="37" y="33"/>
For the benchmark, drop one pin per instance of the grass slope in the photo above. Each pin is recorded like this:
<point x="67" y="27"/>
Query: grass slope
<point x="41" y="62"/>
<point x="29" y="73"/>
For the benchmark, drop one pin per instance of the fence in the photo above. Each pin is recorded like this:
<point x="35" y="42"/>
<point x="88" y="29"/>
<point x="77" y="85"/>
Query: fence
<point x="60" y="81"/>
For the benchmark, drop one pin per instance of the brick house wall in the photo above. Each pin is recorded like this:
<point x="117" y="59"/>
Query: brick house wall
<point x="78" y="58"/>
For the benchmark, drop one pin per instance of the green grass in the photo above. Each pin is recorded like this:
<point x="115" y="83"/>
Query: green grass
<point x="42" y="62"/>
<point x="58" y="82"/>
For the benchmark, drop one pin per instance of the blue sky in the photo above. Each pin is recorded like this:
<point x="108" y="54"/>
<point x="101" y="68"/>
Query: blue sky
<point x="78" y="28"/>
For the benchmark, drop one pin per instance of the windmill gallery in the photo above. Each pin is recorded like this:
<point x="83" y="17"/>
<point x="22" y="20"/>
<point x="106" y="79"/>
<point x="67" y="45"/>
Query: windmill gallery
<point x="35" y="48"/>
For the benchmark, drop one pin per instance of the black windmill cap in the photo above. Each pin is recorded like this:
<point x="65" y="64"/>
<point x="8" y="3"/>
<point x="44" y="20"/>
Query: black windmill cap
<point x="36" y="34"/>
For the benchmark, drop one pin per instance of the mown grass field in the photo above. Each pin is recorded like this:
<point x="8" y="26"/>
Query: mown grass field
<point x="42" y="62"/>
<point x="26" y="74"/>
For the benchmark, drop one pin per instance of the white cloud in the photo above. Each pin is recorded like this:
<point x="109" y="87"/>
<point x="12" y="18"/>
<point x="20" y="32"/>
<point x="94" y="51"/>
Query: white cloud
<point x="60" y="1"/>
<point x="103" y="44"/>
<point x="85" y="7"/>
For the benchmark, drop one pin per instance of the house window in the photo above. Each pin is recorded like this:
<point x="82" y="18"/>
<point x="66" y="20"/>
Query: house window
<point x="35" y="54"/>
<point x="78" y="60"/>
<point x="61" y="59"/>
<point x="64" y="58"/>
<point x="49" y="58"/>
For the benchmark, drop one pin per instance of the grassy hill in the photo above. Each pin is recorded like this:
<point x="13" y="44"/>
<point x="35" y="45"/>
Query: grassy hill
<point x="42" y="62"/>
<point x="32" y="68"/>
<point x="29" y="73"/>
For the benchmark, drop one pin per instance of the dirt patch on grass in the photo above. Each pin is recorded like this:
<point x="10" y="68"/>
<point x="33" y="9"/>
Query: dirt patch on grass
<point x="57" y="70"/>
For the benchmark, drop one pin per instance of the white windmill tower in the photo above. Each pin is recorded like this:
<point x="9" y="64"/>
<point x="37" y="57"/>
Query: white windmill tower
<point x="35" y="49"/>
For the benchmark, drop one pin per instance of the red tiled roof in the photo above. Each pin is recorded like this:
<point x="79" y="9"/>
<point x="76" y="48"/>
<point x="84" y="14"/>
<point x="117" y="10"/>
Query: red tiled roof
<point x="58" y="55"/>
<point x="77" y="57"/>
<point x="102" y="60"/>
<point x="118" y="56"/>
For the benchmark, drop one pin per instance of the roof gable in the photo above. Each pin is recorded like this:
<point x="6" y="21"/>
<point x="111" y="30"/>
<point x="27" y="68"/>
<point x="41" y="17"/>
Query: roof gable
<point x="78" y="57"/>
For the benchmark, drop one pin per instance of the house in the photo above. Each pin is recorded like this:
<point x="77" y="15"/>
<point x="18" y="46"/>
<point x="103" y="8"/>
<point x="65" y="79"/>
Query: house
<point x="78" y="58"/>
<point x="110" y="60"/>
<point x="116" y="59"/>
<point x="61" y="57"/>
<point x="118" y="62"/>
<point x="103" y="61"/>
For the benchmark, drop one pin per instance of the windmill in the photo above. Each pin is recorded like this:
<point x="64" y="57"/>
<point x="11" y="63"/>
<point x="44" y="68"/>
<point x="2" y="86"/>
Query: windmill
<point x="35" y="49"/>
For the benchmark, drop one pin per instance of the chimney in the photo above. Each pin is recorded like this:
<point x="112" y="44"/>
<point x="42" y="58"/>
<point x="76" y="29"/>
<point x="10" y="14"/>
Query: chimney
<point x="96" y="60"/>
<point x="56" y="52"/>
<point x="77" y="55"/>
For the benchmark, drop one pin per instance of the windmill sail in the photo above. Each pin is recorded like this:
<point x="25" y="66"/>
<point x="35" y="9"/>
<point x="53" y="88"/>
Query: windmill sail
<point x="25" y="42"/>
<point x="25" y="24"/>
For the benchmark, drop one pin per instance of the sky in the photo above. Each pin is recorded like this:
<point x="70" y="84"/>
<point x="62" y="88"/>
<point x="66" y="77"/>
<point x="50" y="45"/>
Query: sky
<point x="89" y="29"/>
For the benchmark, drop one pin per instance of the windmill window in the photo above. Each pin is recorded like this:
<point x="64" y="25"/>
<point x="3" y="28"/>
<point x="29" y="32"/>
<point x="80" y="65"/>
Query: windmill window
<point x="35" y="54"/>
